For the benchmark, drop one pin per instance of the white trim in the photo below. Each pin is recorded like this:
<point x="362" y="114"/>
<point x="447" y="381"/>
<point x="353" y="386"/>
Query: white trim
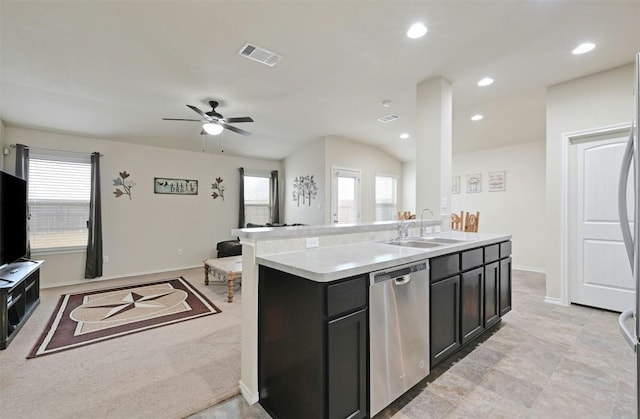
<point x="556" y="301"/>
<point x="529" y="269"/>
<point x="567" y="139"/>
<point x="107" y="278"/>
<point x="356" y="174"/>
<point x="249" y="396"/>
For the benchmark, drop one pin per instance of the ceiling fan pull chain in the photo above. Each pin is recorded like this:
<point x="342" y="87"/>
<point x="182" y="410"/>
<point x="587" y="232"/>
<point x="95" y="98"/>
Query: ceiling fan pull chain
<point x="222" y="139"/>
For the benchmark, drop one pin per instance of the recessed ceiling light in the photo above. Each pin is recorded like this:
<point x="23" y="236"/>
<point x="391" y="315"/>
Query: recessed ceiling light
<point x="386" y="103"/>
<point x="485" y="81"/>
<point x="583" y="48"/>
<point x="404" y="135"/>
<point x="477" y="117"/>
<point x="416" y="30"/>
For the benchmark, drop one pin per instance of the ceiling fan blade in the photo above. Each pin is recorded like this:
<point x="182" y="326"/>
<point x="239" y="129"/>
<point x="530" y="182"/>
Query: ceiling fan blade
<point x="240" y="119"/>
<point x="202" y="114"/>
<point x="236" y="130"/>
<point x="180" y="119"/>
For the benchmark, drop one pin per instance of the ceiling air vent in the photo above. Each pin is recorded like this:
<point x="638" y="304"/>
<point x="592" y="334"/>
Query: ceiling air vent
<point x="388" y="118"/>
<point x="259" y="54"/>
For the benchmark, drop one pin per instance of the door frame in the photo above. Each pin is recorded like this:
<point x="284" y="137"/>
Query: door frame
<point x="567" y="139"/>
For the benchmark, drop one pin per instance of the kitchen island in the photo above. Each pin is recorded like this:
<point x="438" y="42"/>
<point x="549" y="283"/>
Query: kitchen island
<point x="313" y="314"/>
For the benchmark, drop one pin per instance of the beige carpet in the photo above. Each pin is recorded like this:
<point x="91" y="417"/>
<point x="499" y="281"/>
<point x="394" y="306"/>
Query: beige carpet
<point x="168" y="372"/>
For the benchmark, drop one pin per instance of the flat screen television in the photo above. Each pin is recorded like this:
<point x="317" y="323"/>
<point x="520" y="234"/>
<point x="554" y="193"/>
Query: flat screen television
<point x="13" y="218"/>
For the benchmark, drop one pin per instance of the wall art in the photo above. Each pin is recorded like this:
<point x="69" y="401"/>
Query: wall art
<point x="455" y="184"/>
<point x="497" y="181"/>
<point x="123" y="185"/>
<point x="304" y="187"/>
<point x="163" y="185"/>
<point x="474" y="183"/>
<point x="218" y="189"/>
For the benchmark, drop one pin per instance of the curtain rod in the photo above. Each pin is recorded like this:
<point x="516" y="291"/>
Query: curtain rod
<point x="58" y="151"/>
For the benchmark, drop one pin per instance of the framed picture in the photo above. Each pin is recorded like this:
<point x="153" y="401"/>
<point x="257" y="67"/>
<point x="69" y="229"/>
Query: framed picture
<point x="455" y="184"/>
<point x="165" y="185"/>
<point x="497" y="181"/>
<point x="474" y="183"/>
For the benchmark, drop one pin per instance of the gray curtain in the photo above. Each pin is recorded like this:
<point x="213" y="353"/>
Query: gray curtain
<point x="275" y="205"/>
<point x="241" y="193"/>
<point x="93" y="267"/>
<point x="22" y="171"/>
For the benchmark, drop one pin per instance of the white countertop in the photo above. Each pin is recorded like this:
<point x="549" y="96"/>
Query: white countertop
<point x="330" y="263"/>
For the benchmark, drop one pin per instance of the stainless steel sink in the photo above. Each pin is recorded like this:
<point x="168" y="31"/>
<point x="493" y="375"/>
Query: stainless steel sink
<point x="414" y="243"/>
<point x="442" y="240"/>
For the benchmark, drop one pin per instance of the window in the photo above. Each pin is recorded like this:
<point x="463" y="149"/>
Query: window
<point x="59" y="194"/>
<point x="256" y="199"/>
<point x="386" y="198"/>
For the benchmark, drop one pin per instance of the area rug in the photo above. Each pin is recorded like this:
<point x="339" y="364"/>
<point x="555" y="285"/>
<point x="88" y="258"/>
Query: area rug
<point x="94" y="316"/>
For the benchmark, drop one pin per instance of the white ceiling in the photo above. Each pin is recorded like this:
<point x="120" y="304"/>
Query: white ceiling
<point x="112" y="70"/>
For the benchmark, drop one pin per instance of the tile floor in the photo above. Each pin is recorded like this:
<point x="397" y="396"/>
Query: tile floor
<point x="542" y="361"/>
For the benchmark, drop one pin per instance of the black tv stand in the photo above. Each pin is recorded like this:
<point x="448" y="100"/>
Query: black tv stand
<point x="19" y="296"/>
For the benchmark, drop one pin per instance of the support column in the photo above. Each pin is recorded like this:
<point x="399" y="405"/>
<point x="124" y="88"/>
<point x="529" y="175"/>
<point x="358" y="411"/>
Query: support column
<point x="434" y="110"/>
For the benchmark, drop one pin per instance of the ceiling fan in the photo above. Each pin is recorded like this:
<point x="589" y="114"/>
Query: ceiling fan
<point x="213" y="122"/>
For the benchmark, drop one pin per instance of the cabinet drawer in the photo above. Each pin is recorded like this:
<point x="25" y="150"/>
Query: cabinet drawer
<point x="346" y="296"/>
<point x="505" y="249"/>
<point x="491" y="253"/>
<point x="472" y="258"/>
<point x="444" y="266"/>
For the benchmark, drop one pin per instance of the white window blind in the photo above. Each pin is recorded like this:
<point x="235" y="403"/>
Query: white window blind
<point x="59" y="191"/>
<point x="386" y="198"/>
<point x="256" y="199"/>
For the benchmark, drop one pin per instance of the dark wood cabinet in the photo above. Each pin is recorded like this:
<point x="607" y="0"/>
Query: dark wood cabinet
<point x="348" y="352"/>
<point x="312" y="346"/>
<point x="491" y="294"/>
<point x="444" y="330"/>
<point x="470" y="291"/>
<point x="19" y="297"/>
<point x="472" y="304"/>
<point x="505" y="286"/>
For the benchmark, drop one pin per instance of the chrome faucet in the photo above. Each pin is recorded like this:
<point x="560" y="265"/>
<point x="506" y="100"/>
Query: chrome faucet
<point x="403" y="229"/>
<point x="422" y="229"/>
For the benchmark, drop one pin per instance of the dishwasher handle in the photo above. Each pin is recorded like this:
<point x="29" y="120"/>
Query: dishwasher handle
<point x="402" y="280"/>
<point x="399" y="272"/>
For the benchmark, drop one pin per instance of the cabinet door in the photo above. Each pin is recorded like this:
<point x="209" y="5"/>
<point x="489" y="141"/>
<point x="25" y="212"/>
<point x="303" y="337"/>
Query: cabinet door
<point x="444" y="318"/>
<point x="505" y="286"/>
<point x="472" y="303"/>
<point x="347" y="376"/>
<point x="491" y="296"/>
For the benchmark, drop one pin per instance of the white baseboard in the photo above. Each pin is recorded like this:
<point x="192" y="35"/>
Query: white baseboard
<point x="110" y="277"/>
<point x="250" y="396"/>
<point x="556" y="301"/>
<point x="529" y="269"/>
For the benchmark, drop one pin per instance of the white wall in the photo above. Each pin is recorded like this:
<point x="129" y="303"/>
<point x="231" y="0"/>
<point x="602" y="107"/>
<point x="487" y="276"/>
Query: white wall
<point x="409" y="187"/>
<point x="371" y="161"/>
<point x="144" y="234"/>
<point x="309" y="159"/>
<point x="599" y="100"/>
<point x="519" y="210"/>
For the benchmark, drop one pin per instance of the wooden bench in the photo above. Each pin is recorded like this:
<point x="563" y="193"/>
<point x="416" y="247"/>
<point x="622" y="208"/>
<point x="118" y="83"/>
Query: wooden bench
<point x="226" y="270"/>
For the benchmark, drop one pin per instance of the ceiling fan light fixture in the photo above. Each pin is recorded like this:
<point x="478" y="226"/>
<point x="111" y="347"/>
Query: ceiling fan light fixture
<point x="212" y="129"/>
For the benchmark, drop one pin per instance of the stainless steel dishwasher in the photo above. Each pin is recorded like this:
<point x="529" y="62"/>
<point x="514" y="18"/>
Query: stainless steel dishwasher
<point x="398" y="331"/>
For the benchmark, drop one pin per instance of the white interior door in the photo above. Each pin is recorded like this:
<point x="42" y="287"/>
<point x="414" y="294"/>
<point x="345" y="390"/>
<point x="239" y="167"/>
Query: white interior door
<point x="599" y="267"/>
<point x="345" y="196"/>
